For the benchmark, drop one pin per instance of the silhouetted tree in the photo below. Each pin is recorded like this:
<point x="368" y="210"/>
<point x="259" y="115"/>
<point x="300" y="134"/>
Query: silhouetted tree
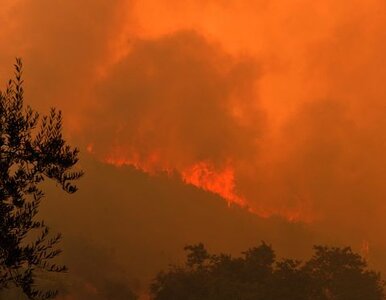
<point x="340" y="274"/>
<point x="331" y="274"/>
<point x="30" y="152"/>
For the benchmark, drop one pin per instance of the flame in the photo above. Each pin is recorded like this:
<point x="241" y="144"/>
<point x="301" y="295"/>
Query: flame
<point x="150" y="164"/>
<point x="217" y="179"/>
<point x="221" y="182"/>
<point x="203" y="174"/>
<point x="208" y="177"/>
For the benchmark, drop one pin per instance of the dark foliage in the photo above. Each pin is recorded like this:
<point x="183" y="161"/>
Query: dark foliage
<point x="332" y="273"/>
<point x="31" y="150"/>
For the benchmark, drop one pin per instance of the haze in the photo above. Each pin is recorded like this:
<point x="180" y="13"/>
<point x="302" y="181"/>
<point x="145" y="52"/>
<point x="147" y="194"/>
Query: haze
<point x="264" y="118"/>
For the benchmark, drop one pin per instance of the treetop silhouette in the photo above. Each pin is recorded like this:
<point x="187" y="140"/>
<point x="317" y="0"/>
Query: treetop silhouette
<point x="331" y="274"/>
<point x="32" y="149"/>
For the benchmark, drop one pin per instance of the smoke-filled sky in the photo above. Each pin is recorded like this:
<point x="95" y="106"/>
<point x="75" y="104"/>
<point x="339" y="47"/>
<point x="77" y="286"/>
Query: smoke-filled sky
<point x="275" y="106"/>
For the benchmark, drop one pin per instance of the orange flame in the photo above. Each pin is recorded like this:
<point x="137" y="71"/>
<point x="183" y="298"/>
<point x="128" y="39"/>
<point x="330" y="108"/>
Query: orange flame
<point x="150" y="164"/>
<point x="203" y="175"/>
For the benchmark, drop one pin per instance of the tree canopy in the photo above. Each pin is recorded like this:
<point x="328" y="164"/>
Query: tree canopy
<point x="32" y="149"/>
<point x="331" y="273"/>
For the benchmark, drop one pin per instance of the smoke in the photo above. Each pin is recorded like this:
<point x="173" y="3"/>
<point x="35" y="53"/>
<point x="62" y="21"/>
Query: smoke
<point x="276" y="106"/>
<point x="179" y="104"/>
<point x="273" y="110"/>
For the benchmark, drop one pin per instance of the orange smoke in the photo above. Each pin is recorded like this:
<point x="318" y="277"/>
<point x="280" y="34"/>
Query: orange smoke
<point x="274" y="105"/>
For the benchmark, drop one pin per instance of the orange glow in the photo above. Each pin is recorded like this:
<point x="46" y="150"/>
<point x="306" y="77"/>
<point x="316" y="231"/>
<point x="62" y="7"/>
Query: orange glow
<point x="277" y="106"/>
<point x="204" y="175"/>
<point x="151" y="164"/>
<point x="221" y="182"/>
<point x="365" y="249"/>
<point x="90" y="148"/>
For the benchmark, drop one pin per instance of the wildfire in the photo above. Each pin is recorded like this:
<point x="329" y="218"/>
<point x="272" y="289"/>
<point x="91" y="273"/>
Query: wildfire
<point x="202" y="175"/>
<point x="221" y="182"/>
<point x="151" y="164"/>
<point x="205" y="175"/>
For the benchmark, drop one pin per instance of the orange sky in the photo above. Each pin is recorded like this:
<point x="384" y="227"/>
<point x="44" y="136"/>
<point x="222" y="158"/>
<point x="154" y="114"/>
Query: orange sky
<point x="285" y="95"/>
<point x="297" y="86"/>
<point x="274" y="105"/>
<point x="277" y="105"/>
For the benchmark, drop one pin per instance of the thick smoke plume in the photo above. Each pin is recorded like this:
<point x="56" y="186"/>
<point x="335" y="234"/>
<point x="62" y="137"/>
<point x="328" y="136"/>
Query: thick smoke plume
<point x="276" y="106"/>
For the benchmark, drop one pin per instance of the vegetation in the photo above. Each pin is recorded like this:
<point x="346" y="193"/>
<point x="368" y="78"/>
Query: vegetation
<point x="331" y="273"/>
<point x="31" y="151"/>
